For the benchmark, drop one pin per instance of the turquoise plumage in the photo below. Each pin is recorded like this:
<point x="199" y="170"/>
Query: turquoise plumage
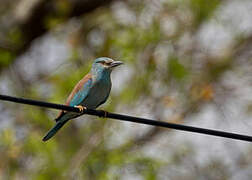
<point x="90" y="92"/>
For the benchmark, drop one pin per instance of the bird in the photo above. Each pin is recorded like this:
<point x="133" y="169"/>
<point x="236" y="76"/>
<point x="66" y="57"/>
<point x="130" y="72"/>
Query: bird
<point x="89" y="93"/>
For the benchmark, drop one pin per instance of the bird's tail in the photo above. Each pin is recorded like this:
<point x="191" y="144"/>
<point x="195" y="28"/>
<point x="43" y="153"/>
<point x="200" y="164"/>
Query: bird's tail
<point x="54" y="130"/>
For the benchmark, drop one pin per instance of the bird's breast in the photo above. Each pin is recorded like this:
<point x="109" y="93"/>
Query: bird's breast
<point x="97" y="94"/>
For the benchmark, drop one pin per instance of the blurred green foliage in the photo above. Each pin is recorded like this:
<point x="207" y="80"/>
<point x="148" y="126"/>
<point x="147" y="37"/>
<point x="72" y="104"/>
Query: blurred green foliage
<point x="176" y="69"/>
<point x="6" y="57"/>
<point x="203" y="9"/>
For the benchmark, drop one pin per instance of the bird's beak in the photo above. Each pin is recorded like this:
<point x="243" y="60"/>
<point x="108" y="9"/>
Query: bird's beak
<point x="116" y="63"/>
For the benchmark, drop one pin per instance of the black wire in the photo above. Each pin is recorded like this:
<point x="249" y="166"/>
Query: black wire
<point x="101" y="113"/>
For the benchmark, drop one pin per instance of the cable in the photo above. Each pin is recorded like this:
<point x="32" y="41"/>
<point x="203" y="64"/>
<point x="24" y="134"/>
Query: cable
<point x="102" y="113"/>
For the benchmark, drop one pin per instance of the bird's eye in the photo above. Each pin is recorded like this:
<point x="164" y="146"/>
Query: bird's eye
<point x="108" y="63"/>
<point x="105" y="63"/>
<point x="102" y="62"/>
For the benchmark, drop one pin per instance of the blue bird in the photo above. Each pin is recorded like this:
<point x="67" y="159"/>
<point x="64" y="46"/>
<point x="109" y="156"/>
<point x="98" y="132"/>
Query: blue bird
<point x="90" y="92"/>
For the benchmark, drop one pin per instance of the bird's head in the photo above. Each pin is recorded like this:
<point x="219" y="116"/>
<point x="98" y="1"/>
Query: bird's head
<point x="105" y="64"/>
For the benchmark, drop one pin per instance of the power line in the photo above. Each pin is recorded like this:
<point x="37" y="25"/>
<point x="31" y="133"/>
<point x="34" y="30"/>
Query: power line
<point x="121" y="117"/>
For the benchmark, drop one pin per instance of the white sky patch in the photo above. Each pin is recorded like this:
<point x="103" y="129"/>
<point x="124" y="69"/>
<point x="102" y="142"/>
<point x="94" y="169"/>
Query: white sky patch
<point x="120" y="77"/>
<point x="214" y="38"/>
<point x="232" y="19"/>
<point x="237" y="15"/>
<point x="5" y="84"/>
<point x="5" y="118"/>
<point x="45" y="56"/>
<point x="96" y="37"/>
<point x="123" y="14"/>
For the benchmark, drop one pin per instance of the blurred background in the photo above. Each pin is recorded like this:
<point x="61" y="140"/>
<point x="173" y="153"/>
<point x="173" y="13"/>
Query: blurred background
<point x="186" y="61"/>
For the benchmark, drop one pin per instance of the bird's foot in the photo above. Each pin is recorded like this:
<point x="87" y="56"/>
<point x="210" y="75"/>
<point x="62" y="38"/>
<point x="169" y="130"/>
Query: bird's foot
<point x="105" y="113"/>
<point x="81" y="108"/>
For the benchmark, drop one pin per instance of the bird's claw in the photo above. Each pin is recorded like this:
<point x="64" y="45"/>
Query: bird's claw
<point x="105" y="114"/>
<point x="81" y="108"/>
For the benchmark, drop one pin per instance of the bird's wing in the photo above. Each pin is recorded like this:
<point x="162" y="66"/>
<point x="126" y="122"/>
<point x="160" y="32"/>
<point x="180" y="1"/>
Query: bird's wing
<point x="103" y="100"/>
<point x="78" y="94"/>
<point x="80" y="91"/>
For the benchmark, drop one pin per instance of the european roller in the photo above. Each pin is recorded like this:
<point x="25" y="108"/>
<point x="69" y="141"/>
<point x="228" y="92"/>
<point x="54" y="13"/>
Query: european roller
<point x="90" y="92"/>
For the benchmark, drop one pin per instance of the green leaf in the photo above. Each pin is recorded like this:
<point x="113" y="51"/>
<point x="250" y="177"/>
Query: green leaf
<point x="176" y="69"/>
<point x="203" y="9"/>
<point x="5" y="57"/>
